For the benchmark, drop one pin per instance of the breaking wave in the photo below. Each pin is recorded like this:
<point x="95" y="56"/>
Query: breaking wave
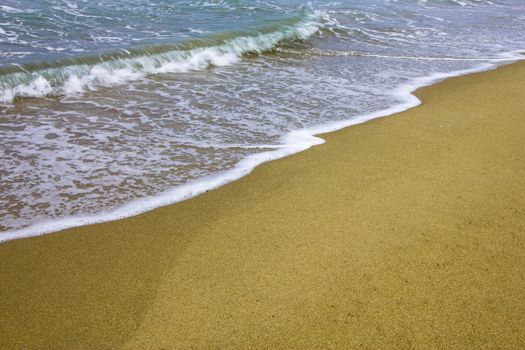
<point x="73" y="76"/>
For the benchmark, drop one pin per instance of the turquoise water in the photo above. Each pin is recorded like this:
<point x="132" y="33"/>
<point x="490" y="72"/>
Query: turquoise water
<point x="122" y="104"/>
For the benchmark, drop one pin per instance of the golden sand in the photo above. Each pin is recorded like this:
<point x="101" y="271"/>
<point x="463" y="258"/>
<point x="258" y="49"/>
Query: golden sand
<point x="404" y="232"/>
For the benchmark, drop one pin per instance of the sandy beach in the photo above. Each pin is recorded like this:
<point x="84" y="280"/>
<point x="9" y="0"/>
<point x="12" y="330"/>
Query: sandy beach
<point x="406" y="232"/>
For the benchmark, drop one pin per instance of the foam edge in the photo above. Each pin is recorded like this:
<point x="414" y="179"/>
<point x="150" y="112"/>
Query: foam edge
<point x="293" y="142"/>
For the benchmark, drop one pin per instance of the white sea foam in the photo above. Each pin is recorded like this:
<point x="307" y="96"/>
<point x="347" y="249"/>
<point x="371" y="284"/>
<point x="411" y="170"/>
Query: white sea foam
<point x="293" y="142"/>
<point x="37" y="87"/>
<point x="73" y="80"/>
<point x="502" y="58"/>
<point x="10" y="9"/>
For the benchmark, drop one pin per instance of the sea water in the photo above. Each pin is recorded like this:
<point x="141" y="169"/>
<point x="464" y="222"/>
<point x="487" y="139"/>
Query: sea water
<point x="112" y="108"/>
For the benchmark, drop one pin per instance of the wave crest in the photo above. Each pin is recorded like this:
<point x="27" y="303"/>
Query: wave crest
<point x="75" y="76"/>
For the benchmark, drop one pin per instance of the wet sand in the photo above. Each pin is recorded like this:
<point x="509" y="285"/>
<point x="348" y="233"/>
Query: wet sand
<point x="403" y="232"/>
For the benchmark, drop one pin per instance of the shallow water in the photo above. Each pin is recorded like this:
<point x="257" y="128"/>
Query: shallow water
<point x="105" y="103"/>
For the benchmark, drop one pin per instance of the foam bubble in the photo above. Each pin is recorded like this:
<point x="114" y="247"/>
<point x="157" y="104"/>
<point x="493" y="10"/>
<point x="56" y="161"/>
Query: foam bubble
<point x="293" y="142"/>
<point x="80" y="78"/>
<point x="10" y="9"/>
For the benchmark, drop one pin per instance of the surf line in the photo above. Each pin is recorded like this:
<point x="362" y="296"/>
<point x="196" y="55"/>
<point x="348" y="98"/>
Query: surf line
<point x="318" y="52"/>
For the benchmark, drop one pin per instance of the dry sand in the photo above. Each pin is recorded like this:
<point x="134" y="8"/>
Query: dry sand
<point x="404" y="232"/>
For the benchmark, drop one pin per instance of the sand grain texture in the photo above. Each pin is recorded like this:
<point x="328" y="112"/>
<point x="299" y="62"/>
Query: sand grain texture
<point x="403" y="232"/>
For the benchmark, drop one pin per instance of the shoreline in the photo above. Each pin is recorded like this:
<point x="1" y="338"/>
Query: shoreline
<point x="402" y="232"/>
<point x="294" y="142"/>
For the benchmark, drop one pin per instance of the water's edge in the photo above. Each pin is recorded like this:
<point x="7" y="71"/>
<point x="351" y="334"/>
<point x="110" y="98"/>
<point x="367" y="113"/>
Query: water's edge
<point x="294" y="142"/>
